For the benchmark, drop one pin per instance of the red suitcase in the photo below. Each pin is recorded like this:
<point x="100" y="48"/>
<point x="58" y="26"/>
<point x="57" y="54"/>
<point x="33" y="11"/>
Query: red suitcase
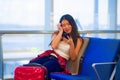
<point x="30" y="72"/>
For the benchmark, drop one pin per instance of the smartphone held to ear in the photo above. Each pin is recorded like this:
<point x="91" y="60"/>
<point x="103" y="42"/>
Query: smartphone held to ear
<point x="65" y="35"/>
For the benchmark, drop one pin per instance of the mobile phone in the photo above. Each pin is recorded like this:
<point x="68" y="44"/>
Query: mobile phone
<point x="65" y="35"/>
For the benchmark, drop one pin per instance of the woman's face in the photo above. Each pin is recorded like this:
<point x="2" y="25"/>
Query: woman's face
<point x="66" y="26"/>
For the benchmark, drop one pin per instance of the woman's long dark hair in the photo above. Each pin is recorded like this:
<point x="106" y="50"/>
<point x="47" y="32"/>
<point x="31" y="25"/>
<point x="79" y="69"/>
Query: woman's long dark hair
<point x="74" y="33"/>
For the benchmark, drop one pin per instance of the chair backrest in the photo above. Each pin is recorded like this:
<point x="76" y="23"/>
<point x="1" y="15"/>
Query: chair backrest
<point x="75" y="66"/>
<point x="99" y="50"/>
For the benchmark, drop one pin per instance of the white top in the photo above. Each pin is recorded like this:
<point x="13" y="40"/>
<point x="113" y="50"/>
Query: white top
<point x="63" y="50"/>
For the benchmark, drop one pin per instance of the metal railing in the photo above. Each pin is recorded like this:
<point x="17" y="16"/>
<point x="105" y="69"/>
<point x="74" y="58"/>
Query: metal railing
<point x="50" y="32"/>
<point x="42" y="32"/>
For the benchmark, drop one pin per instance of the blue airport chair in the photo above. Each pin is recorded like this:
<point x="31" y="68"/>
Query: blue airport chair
<point x="98" y="51"/>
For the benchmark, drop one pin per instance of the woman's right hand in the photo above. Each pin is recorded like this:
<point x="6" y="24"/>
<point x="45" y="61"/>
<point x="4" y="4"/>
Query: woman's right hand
<point x="59" y="27"/>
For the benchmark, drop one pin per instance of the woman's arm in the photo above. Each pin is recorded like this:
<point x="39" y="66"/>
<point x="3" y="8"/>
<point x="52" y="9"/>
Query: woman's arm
<point x="75" y="50"/>
<point x="56" y="38"/>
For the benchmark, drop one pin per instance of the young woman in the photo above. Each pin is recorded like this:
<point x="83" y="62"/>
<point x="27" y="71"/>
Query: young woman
<point x="65" y="45"/>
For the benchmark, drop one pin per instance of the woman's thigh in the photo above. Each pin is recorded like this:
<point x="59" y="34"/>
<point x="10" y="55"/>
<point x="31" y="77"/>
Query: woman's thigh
<point x="53" y="66"/>
<point x="41" y="60"/>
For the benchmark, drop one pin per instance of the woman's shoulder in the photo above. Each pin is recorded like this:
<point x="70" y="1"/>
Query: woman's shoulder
<point x="80" y="39"/>
<point x="56" y="32"/>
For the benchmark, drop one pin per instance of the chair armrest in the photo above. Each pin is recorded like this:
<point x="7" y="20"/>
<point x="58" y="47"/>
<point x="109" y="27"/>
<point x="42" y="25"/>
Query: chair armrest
<point x="97" y="64"/>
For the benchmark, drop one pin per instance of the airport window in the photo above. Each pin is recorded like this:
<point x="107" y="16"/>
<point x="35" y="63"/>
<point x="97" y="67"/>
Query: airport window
<point x="89" y="14"/>
<point x="118" y="13"/>
<point x="21" y="14"/>
<point x="103" y="15"/>
<point x="118" y="18"/>
<point x="82" y="10"/>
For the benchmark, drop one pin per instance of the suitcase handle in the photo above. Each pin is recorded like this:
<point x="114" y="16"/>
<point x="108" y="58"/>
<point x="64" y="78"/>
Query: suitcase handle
<point x="33" y="64"/>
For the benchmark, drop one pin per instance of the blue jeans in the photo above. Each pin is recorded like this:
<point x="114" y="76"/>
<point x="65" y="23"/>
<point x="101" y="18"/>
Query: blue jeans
<point x="50" y="62"/>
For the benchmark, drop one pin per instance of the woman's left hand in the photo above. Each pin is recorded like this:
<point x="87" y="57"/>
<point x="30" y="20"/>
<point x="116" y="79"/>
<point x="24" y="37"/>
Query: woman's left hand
<point x="69" y="40"/>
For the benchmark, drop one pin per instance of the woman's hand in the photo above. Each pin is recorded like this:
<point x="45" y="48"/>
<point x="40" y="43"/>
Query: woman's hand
<point x="59" y="27"/>
<point x="68" y="40"/>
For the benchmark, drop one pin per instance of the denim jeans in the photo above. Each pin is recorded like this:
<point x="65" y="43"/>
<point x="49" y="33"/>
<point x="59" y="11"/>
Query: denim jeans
<point x="50" y="62"/>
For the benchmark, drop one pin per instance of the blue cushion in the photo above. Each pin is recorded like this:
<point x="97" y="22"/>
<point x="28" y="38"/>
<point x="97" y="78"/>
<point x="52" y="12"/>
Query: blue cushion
<point x="58" y="76"/>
